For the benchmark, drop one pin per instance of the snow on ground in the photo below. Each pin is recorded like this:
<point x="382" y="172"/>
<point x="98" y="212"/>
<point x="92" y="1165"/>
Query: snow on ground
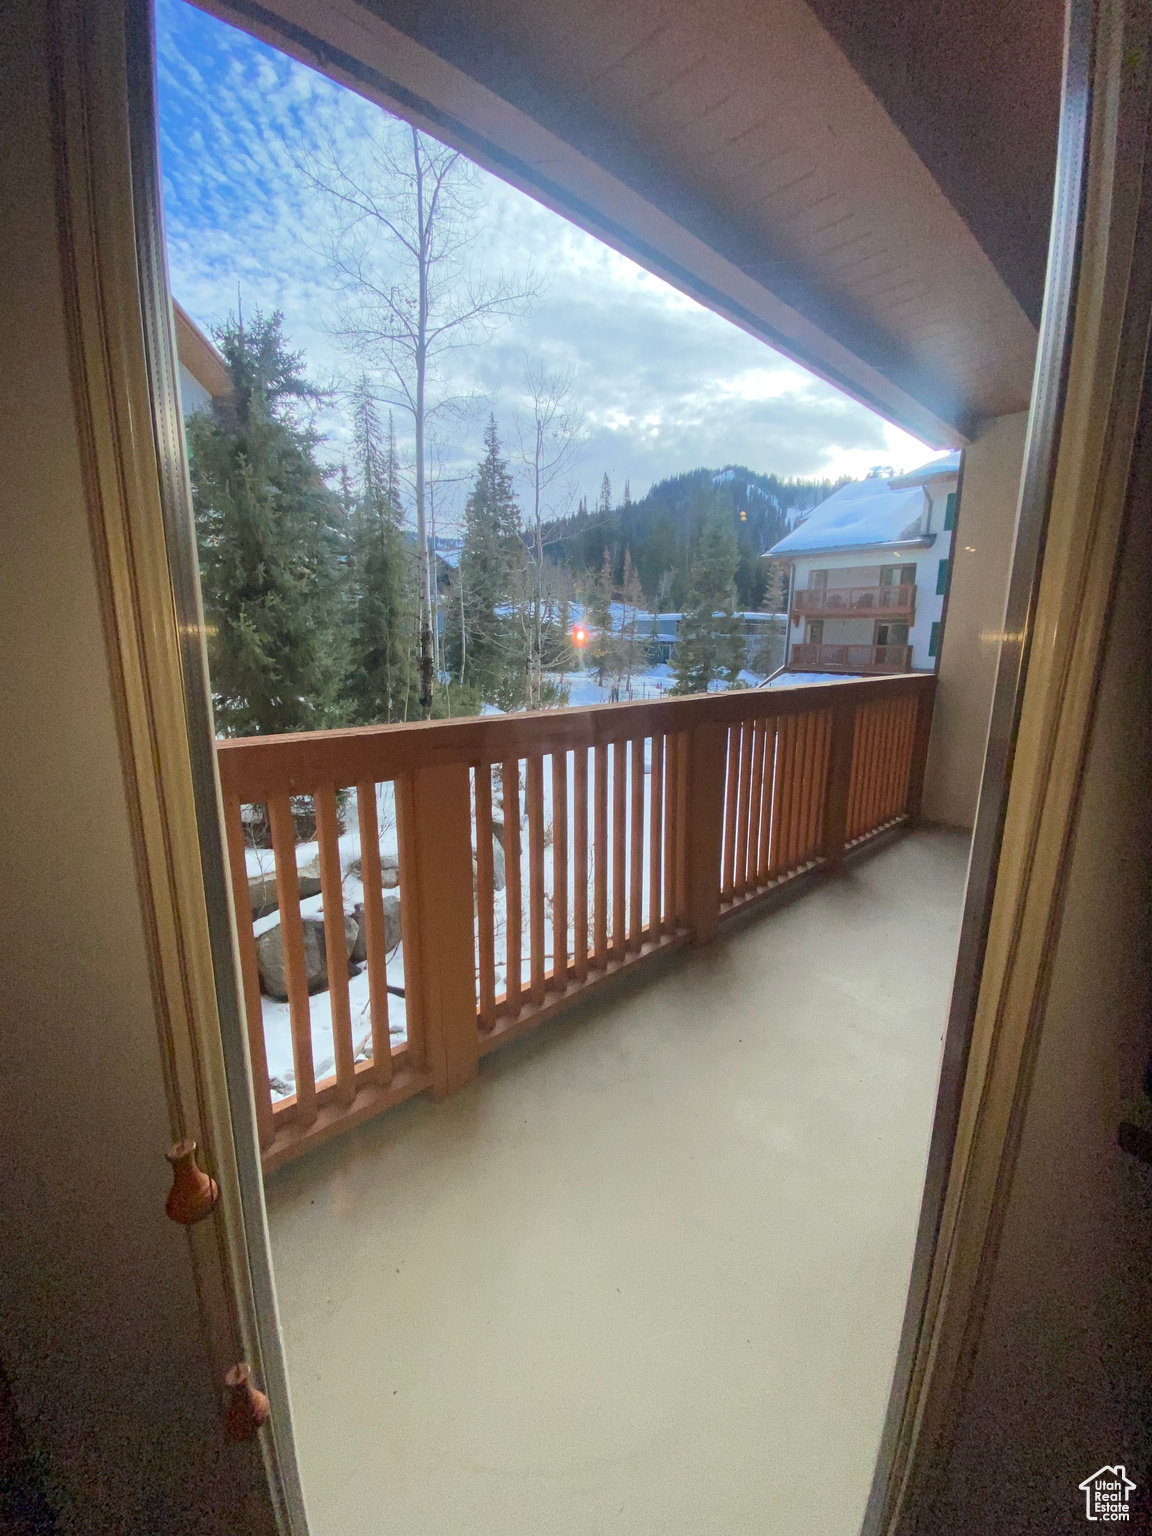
<point x="652" y="683"/>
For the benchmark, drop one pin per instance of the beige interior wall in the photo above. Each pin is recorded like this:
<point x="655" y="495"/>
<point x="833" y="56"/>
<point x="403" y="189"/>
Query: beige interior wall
<point x="982" y="554"/>
<point x="99" y="1329"/>
<point x="1062" y="1380"/>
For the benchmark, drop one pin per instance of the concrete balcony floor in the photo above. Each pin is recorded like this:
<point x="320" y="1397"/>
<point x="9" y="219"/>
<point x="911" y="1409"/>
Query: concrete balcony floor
<point x="647" y="1274"/>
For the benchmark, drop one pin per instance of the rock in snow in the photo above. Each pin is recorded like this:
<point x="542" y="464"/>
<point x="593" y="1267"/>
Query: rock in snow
<point x="270" y="953"/>
<point x="359" y="952"/>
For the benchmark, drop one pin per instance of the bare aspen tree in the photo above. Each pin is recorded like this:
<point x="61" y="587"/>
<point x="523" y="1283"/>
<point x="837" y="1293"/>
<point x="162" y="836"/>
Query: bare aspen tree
<point x="550" y="432"/>
<point x="404" y="218"/>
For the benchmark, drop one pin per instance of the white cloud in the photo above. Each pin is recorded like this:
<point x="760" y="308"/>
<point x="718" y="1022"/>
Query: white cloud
<point x="665" y="384"/>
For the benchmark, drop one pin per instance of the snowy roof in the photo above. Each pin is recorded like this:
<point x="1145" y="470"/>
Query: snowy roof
<point x="857" y="516"/>
<point x="935" y="470"/>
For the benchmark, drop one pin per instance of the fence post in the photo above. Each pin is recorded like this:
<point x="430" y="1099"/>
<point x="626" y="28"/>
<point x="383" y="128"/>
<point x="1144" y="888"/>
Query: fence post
<point x="704" y="831"/>
<point x="838" y="783"/>
<point x="438" y="843"/>
<point x="925" y="701"/>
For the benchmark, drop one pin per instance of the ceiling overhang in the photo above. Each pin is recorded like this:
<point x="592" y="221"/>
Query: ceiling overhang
<point x="835" y="246"/>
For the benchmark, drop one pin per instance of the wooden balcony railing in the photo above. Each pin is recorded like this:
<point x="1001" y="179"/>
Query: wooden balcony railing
<point x="851" y="658"/>
<point x="626" y="829"/>
<point x="841" y="602"/>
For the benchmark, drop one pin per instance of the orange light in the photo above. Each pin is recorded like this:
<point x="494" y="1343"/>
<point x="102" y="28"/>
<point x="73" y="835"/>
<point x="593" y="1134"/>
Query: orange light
<point x="580" y="635"/>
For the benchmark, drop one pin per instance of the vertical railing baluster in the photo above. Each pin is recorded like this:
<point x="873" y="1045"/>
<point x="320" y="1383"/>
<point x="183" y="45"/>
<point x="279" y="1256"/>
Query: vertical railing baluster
<point x="411" y="937"/>
<point x="295" y="968"/>
<point x="787" y="772"/>
<point x="560" y="870"/>
<point x="335" y="947"/>
<point x="514" y="899"/>
<point x="820" y="796"/>
<point x="891" y="761"/>
<point x="838" y="791"/>
<point x="767" y="801"/>
<point x="655" y="838"/>
<point x="811" y="752"/>
<point x="755" y="806"/>
<point x="879" y="759"/>
<point x="732" y="738"/>
<point x="619" y="848"/>
<point x="249" y="971"/>
<point x="683" y="778"/>
<point x="744" y="808"/>
<point x="580" y="864"/>
<point x="375" y="943"/>
<point x="796" y="794"/>
<point x="856" y="773"/>
<point x="636" y="849"/>
<point x="536" y="875"/>
<point x="671" y="775"/>
<point x="903" y="787"/>
<point x="918" y="754"/>
<point x="485" y="896"/>
<point x="601" y="857"/>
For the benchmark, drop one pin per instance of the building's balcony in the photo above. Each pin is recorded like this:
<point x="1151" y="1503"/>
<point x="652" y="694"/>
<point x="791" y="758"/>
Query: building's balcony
<point x="841" y="602"/>
<point x="528" y="859"/>
<point x="654" y="1260"/>
<point x="637" y="1264"/>
<point x="850" y="658"/>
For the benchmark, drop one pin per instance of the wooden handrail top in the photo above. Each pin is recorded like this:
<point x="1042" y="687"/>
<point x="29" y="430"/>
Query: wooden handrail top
<point x="252" y="768"/>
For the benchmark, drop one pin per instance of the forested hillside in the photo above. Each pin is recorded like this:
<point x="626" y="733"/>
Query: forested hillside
<point x="661" y="533"/>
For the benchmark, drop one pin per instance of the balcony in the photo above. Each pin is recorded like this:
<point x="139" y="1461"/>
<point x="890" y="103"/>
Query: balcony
<point x="842" y="602"/>
<point x="624" y="832"/>
<point x="654" y="1259"/>
<point x="850" y="658"/>
<point x="641" y="1258"/>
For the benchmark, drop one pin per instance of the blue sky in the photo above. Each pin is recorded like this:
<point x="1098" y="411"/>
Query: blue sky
<point x="664" y="384"/>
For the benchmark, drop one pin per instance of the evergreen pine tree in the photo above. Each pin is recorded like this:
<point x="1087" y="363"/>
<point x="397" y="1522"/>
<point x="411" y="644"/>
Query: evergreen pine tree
<point x="483" y="644"/>
<point x="271" y="542"/>
<point x="383" y="679"/>
<point x="630" y="650"/>
<point x="709" y="644"/>
<point x="598" y="616"/>
<point x="605" y="504"/>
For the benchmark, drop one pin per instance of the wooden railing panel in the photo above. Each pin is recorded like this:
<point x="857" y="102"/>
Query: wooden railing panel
<point x="743" y="791"/>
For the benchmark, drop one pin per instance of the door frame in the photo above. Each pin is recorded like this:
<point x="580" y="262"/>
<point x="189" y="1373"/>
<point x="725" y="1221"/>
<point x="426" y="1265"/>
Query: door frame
<point x="1088" y="379"/>
<point x="125" y="384"/>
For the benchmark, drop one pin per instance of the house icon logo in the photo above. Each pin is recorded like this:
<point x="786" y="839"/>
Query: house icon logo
<point x="1106" y="1494"/>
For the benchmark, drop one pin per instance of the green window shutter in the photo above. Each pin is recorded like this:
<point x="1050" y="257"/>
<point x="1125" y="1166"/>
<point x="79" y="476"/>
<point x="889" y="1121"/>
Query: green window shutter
<point x="941" y="578"/>
<point x="934" y="642"/>
<point x="950" y="511"/>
